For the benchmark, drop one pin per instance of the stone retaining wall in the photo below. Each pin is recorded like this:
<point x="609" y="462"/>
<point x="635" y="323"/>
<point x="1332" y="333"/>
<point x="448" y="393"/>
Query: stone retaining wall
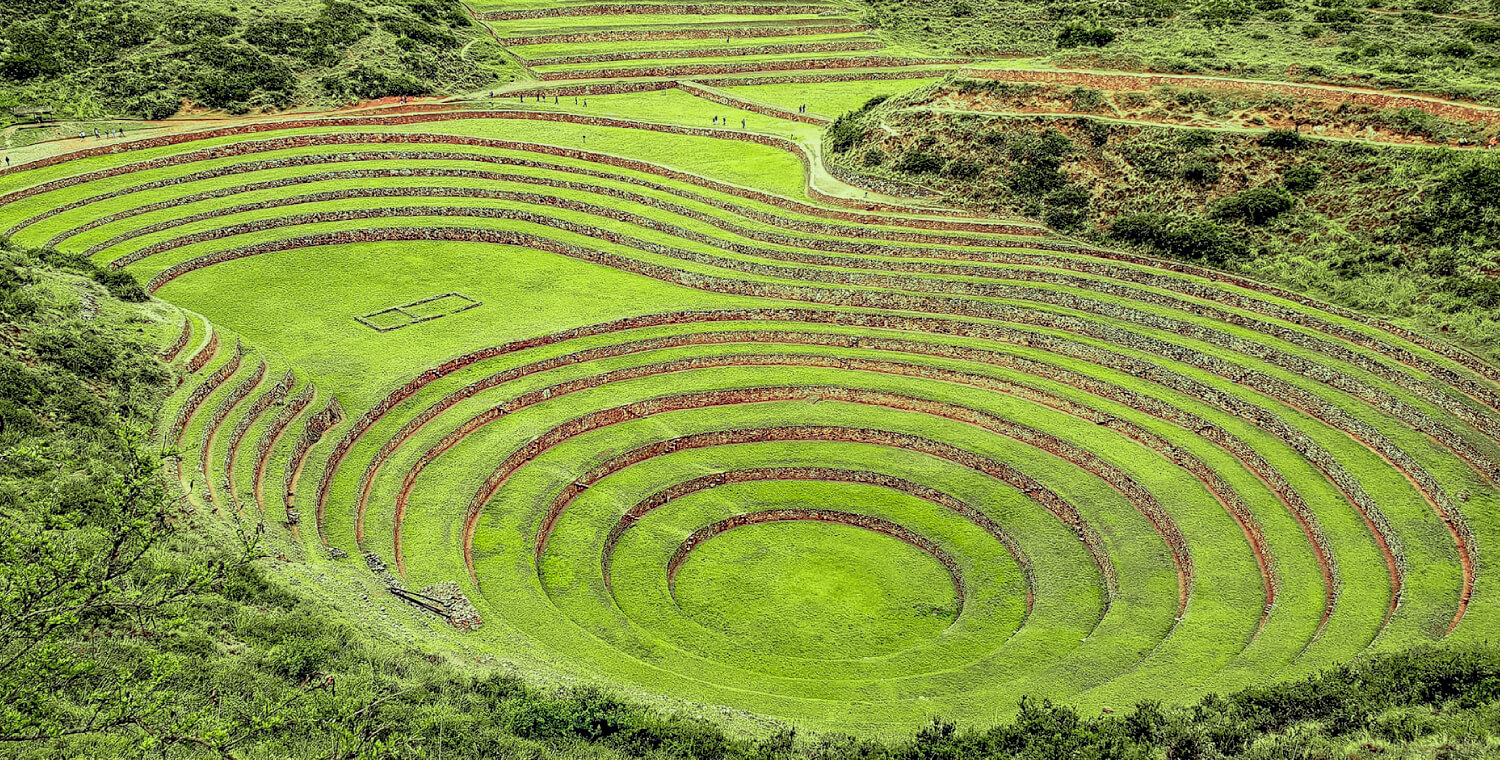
<point x="201" y="393"/>
<point x="171" y="352"/>
<point x="205" y="354"/>
<point x="725" y="99"/>
<point x="696" y="70"/>
<point x="318" y="424"/>
<point x="270" y="398"/>
<point x="268" y="439"/>
<point x="1451" y="352"/>
<point x="1375" y="98"/>
<point x="647" y="34"/>
<point x="718" y="52"/>
<point x="222" y="411"/>
<point x="659" y="9"/>
<point x="915" y="282"/>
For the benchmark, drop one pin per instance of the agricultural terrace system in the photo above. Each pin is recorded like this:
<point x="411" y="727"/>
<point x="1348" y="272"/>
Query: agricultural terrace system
<point x="607" y="377"/>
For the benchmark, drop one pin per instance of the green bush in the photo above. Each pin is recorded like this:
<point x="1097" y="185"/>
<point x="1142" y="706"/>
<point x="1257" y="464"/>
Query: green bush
<point x="1181" y="237"/>
<point x="1201" y="172"/>
<point x="873" y="157"/>
<point x="1456" y="49"/>
<point x="1257" y="205"/>
<point x="919" y="162"/>
<point x="1487" y="34"/>
<point x="1284" y="139"/>
<point x="964" y="168"/>
<point x="1077" y="34"/>
<point x="1300" y="179"/>
<point x="1066" y="208"/>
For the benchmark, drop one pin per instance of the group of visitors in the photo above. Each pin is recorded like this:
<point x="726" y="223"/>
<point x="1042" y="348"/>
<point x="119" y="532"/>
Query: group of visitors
<point x="83" y="134"/>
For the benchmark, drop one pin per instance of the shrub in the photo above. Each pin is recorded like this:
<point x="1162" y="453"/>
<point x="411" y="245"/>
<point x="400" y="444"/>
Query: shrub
<point x="1201" y="172"/>
<point x="964" y="168"/>
<point x="1483" y="33"/>
<point x="368" y="82"/>
<point x="1086" y="99"/>
<point x="1189" y="238"/>
<point x="1078" y="34"/>
<point x="1256" y="205"/>
<point x="848" y="129"/>
<point x="1338" y="18"/>
<point x="121" y="284"/>
<point x="187" y="26"/>
<point x="919" y="162"/>
<point x="1284" y="139"/>
<point x="1192" y="139"/>
<point x="1311" y="31"/>
<point x="1456" y="49"/>
<point x="1280" y="16"/>
<point x="1066" y="208"/>
<point x="873" y="157"/>
<point x="1300" y="179"/>
<point x="1217" y="12"/>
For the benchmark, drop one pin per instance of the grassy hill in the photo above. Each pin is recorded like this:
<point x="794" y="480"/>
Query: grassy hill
<point x="741" y="380"/>
<point x="147" y="60"/>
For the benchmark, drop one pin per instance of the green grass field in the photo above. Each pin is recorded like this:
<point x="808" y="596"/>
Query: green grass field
<point x="686" y="415"/>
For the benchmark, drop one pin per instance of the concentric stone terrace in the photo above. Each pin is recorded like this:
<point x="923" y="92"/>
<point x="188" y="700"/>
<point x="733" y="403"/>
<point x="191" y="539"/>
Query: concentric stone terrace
<point x="712" y="426"/>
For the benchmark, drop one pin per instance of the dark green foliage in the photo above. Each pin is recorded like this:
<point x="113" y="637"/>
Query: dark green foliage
<point x="191" y="25"/>
<point x="919" y="162"/>
<point x="1487" y="34"/>
<point x="1066" y="208"/>
<point x="873" y="157"/>
<point x="1300" y="179"/>
<point x="964" y="168"/>
<point x="848" y="129"/>
<point x="130" y="61"/>
<point x="1257" y="205"/>
<point x="1218" y="12"/>
<point x="1201" y="171"/>
<point x="1285" y="139"/>
<point x="1181" y="237"/>
<point x="1084" y="35"/>
<point x="369" y="82"/>
<point x="1463" y="206"/>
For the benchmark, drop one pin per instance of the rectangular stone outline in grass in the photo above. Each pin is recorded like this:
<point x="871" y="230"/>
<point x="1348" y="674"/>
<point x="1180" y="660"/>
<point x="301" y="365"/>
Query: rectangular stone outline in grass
<point x="408" y="314"/>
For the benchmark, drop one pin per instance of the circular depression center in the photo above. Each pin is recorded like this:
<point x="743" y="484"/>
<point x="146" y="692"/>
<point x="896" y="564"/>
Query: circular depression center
<point x="816" y="589"/>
